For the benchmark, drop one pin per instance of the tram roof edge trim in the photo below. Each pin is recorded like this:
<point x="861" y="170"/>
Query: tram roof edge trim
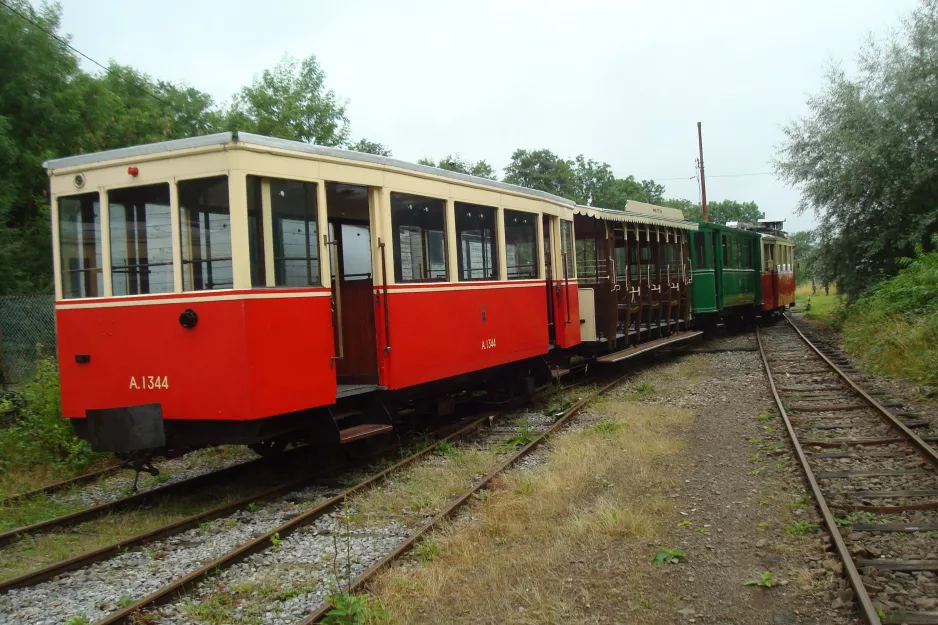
<point x="639" y="212"/>
<point x="247" y="138"/>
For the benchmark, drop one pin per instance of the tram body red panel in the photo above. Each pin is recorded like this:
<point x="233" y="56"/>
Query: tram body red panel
<point x="245" y="358"/>
<point x="439" y="331"/>
<point x="769" y="291"/>
<point x="778" y="289"/>
<point x="786" y="288"/>
<point x="566" y="320"/>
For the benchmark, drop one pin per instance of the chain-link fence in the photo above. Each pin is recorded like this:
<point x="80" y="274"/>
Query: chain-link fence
<point x="27" y="323"/>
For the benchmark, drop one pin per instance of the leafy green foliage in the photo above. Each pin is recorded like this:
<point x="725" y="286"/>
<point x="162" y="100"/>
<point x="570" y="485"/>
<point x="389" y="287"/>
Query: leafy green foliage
<point x="643" y="390"/>
<point x="291" y="101"/>
<point x="445" y="449"/>
<point x="524" y="436"/>
<point x="608" y="427"/>
<point x="894" y="327"/>
<point x="764" y="580"/>
<point x="78" y="620"/>
<point x="800" y="528"/>
<point x="276" y="541"/>
<point x="349" y="609"/>
<point x="667" y="554"/>
<point x="370" y="147"/>
<point x="864" y="156"/>
<point x="37" y="433"/>
<point x="723" y="211"/>
<point x="427" y="551"/>
<point x="457" y="163"/>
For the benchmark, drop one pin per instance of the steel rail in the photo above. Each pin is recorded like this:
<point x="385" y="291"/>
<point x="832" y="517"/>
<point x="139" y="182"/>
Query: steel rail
<point x="57" y="486"/>
<point x="866" y="603"/>
<point x="133" y="500"/>
<point x="450" y="509"/>
<point x="177" y="587"/>
<point x="927" y="451"/>
<point x="57" y="568"/>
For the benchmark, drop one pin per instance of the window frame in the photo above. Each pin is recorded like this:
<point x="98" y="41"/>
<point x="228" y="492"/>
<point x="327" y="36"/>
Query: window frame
<point x="495" y="268"/>
<point x="231" y="179"/>
<point x="395" y="239"/>
<point x="503" y="227"/>
<point x="324" y="261"/>
<point x="102" y="268"/>
<point x="174" y="225"/>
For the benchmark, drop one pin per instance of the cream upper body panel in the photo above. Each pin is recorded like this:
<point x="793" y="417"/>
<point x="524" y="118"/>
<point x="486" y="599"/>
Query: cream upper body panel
<point x="212" y="154"/>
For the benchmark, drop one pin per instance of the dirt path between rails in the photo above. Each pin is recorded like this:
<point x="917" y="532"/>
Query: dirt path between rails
<point x="704" y="469"/>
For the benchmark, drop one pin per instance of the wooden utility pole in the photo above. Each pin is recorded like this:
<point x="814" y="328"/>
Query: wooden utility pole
<point x="703" y="181"/>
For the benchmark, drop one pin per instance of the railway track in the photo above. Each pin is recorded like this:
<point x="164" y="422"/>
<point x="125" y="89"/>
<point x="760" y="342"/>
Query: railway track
<point x="872" y="472"/>
<point x="143" y="498"/>
<point x="310" y="520"/>
<point x="60" y="486"/>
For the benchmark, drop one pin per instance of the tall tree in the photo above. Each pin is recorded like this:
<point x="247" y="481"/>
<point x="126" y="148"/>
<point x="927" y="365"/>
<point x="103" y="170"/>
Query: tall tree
<point x="543" y="170"/>
<point x="370" y="147"/>
<point x="720" y="212"/>
<point x="455" y="162"/>
<point x="590" y="178"/>
<point x="654" y="191"/>
<point x="864" y="156"/>
<point x="35" y="105"/>
<point x="291" y="101"/>
<point x="616" y="192"/>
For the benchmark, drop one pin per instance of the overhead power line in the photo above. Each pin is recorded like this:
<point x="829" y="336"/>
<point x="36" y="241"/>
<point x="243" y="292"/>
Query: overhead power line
<point x="694" y="177"/>
<point x="80" y="53"/>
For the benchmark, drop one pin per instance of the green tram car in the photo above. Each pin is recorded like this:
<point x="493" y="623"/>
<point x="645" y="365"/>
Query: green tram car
<point x="727" y="285"/>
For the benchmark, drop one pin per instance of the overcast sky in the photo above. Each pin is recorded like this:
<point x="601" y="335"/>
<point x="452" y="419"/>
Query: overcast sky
<point x="622" y="82"/>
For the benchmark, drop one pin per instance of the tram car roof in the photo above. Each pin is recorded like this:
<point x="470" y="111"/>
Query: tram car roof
<point x="246" y="139"/>
<point x="639" y="212"/>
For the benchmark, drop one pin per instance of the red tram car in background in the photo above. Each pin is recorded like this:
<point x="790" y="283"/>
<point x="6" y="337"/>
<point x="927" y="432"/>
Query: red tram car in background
<point x="239" y="289"/>
<point x="778" y="264"/>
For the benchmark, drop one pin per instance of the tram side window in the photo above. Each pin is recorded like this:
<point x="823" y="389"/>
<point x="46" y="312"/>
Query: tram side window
<point x="475" y="234"/>
<point x="294" y="231"/>
<point x="521" y="245"/>
<point x="141" y="240"/>
<point x="621" y="264"/>
<point x="566" y="247"/>
<point x="419" y="238"/>
<point x="700" y="252"/>
<point x="586" y="260"/>
<point x="205" y="223"/>
<point x="80" y="245"/>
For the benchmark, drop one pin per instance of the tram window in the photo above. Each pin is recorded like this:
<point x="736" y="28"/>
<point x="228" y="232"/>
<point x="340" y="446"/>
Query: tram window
<point x="726" y="251"/>
<point x="521" y="245"/>
<point x="475" y="235"/>
<point x="566" y="247"/>
<point x="586" y="260"/>
<point x="621" y="264"/>
<point x="700" y="252"/>
<point x="205" y="224"/>
<point x="141" y="240"/>
<point x="417" y="223"/>
<point x="633" y="261"/>
<point x="649" y="267"/>
<point x="80" y="245"/>
<point x="295" y="232"/>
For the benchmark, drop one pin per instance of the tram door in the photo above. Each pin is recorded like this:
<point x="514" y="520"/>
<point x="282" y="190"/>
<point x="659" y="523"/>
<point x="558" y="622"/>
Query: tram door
<point x="551" y="328"/>
<point x="352" y="284"/>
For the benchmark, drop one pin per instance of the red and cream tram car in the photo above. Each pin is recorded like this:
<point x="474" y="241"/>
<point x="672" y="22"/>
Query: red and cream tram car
<point x="235" y="288"/>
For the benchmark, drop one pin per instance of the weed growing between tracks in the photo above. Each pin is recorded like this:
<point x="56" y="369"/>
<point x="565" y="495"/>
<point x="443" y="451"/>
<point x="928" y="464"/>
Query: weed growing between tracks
<point x="504" y="560"/>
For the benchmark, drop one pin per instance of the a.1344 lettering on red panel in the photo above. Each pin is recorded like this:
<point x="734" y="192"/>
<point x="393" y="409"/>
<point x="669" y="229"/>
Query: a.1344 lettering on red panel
<point x="149" y="382"/>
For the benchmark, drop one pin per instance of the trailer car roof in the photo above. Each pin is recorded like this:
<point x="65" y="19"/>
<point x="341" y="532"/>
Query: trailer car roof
<point x="639" y="212"/>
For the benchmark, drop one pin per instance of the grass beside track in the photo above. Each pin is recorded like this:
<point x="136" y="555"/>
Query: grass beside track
<point x="502" y="560"/>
